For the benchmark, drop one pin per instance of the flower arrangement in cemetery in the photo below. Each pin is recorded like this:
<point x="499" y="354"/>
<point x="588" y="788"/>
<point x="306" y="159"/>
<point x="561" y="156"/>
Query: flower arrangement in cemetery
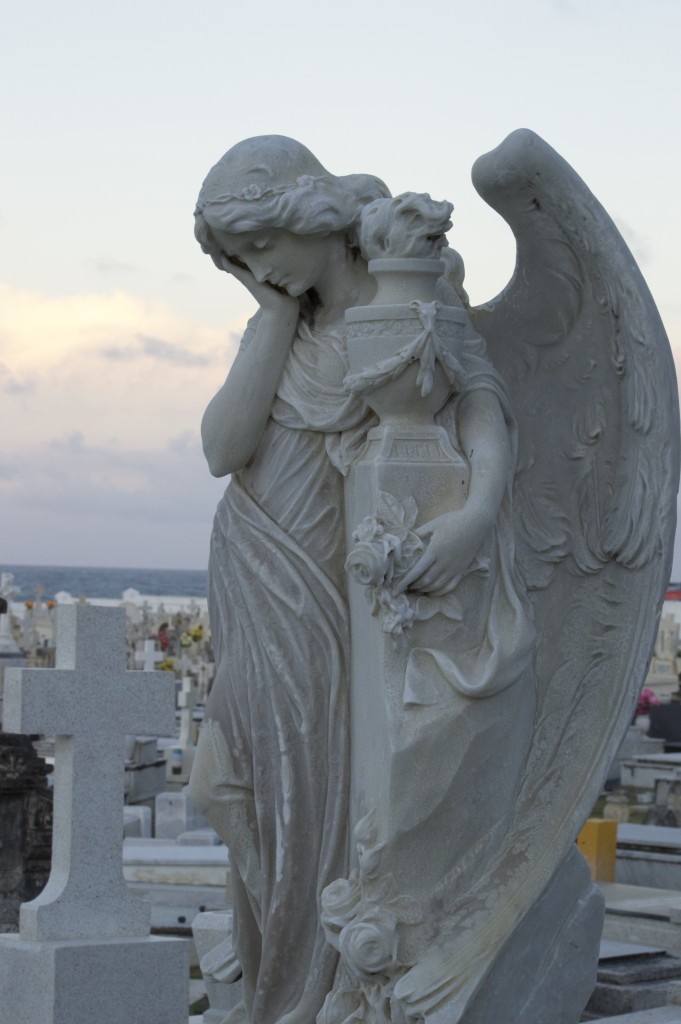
<point x="646" y="701"/>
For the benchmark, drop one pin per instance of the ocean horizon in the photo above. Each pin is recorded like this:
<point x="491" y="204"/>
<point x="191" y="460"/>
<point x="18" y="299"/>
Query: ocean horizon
<point x="101" y="582"/>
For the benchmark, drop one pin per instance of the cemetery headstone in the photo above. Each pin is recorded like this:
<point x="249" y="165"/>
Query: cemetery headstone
<point x="663" y="677"/>
<point x="148" y="657"/>
<point x="84" y="951"/>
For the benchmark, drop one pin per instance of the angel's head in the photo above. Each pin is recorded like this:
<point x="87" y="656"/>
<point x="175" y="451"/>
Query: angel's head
<point x="269" y="187"/>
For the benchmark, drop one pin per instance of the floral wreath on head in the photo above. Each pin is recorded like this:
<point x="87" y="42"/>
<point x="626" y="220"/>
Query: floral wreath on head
<point x="312" y="204"/>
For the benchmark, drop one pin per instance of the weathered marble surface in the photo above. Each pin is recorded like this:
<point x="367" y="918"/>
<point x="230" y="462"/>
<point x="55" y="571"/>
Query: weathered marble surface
<point x="508" y="508"/>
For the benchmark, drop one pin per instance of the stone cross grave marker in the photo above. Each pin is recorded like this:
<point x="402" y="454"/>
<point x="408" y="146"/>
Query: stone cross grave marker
<point x="89" y="702"/>
<point x="183" y="663"/>
<point x="148" y="657"/>
<point x="187" y="701"/>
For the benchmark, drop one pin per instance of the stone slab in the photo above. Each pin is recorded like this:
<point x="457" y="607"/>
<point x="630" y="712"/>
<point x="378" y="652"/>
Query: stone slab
<point x="611" y="950"/>
<point x="174" y="907"/>
<point x="660" y="1015"/>
<point x="175" y="813"/>
<point x="199" y="837"/>
<point x="643" y="915"/>
<point x="649" y="837"/>
<point x="633" y="970"/>
<point x="609" y="999"/>
<point x="655" y="868"/>
<point x="639" y="899"/>
<point x="110" y="982"/>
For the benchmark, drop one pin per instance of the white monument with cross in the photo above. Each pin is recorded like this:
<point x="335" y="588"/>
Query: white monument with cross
<point x="181" y="759"/>
<point x="147" y="656"/>
<point x="84" y="951"/>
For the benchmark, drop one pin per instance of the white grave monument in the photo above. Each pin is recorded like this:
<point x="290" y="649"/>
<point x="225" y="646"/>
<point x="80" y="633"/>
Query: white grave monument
<point x="148" y="656"/>
<point x="84" y="952"/>
<point x="663" y="675"/>
<point x="181" y="754"/>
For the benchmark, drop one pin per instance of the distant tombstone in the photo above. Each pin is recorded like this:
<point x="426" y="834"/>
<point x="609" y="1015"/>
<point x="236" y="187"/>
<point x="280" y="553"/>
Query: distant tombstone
<point x="84" y="951"/>
<point x="663" y="673"/>
<point x="183" y="663"/>
<point x="147" y="656"/>
<point x="181" y="759"/>
<point x="187" y="701"/>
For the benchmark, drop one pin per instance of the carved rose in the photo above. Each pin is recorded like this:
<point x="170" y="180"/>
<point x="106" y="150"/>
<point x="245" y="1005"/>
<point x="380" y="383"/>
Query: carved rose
<point x="369" y="561"/>
<point x="339" y="901"/>
<point x="369" y="945"/>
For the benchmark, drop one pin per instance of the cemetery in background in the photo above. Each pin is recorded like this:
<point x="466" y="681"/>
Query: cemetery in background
<point x="170" y="857"/>
<point x="175" y="862"/>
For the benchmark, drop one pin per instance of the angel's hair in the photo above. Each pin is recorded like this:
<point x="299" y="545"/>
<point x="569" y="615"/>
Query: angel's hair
<point x="271" y="181"/>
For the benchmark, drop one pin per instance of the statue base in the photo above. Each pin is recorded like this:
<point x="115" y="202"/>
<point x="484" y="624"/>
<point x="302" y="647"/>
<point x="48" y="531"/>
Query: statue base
<point x="547" y="969"/>
<point x="114" y="981"/>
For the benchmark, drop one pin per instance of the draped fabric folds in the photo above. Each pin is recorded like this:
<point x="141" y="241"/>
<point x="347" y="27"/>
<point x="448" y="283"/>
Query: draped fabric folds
<point x="273" y="759"/>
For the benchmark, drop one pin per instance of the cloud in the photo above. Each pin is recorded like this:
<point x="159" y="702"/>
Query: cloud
<point x="73" y="502"/>
<point x="108" y="265"/>
<point x="116" y="368"/>
<point x="11" y="385"/>
<point x="157" y="348"/>
<point x="71" y="476"/>
<point x="101" y="459"/>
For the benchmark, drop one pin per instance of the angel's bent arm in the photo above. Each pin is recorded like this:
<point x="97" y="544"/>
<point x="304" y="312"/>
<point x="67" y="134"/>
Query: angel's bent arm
<point x="454" y="538"/>
<point x="235" y="419"/>
<point x="484" y="439"/>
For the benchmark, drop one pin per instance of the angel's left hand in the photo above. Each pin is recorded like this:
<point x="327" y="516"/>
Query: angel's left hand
<point x="453" y="540"/>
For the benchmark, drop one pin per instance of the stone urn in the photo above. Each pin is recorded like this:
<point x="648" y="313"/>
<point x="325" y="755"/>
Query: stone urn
<point x="403" y="351"/>
<point x="403" y="347"/>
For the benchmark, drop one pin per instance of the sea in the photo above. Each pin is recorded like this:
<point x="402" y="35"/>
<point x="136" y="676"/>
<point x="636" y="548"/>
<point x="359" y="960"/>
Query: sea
<point x="104" y="583"/>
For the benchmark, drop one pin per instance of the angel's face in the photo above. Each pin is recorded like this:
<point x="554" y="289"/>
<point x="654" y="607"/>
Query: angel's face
<point x="295" y="263"/>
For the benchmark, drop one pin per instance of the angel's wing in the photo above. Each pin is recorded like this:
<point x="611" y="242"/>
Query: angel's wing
<point x="581" y="347"/>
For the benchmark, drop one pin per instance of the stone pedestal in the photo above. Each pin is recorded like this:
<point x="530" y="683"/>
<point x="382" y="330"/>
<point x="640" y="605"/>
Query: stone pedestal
<point x="25" y="827"/>
<point x="116" y="981"/>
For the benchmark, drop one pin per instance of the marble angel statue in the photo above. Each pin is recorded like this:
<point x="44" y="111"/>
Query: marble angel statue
<point x="401" y="823"/>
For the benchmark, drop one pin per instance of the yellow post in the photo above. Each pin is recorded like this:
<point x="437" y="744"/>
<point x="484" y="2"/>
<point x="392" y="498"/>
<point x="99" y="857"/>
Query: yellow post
<point x="598" y="843"/>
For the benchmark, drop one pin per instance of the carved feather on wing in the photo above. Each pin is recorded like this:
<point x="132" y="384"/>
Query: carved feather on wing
<point x="578" y="339"/>
<point x="579" y="343"/>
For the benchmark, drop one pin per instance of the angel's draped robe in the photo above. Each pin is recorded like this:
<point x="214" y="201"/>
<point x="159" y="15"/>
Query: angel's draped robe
<point x="272" y="766"/>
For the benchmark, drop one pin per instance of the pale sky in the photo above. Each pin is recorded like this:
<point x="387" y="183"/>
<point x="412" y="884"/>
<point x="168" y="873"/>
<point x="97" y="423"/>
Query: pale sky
<point x="115" y="330"/>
